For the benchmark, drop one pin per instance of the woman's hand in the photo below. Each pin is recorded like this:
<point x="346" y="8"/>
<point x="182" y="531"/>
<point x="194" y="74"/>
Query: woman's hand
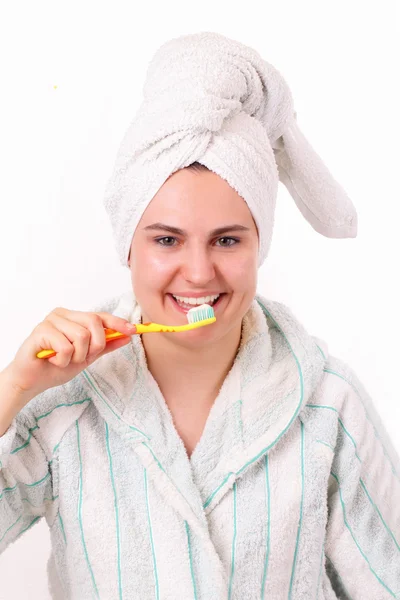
<point x="77" y="337"/>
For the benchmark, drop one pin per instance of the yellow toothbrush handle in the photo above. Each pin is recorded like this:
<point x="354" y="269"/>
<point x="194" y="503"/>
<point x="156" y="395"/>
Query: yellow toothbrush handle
<point x="148" y="327"/>
<point x="156" y="327"/>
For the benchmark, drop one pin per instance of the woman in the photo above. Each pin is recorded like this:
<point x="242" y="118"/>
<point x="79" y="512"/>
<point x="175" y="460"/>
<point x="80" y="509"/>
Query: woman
<point x="237" y="460"/>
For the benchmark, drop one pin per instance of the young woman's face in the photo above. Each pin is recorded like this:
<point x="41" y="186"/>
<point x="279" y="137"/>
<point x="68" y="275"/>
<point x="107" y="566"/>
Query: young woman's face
<point x="196" y="261"/>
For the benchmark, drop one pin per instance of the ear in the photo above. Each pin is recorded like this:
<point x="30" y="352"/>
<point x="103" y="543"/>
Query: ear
<point x="318" y="196"/>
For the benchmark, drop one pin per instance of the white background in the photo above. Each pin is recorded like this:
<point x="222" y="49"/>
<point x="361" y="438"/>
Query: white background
<point x="58" y="145"/>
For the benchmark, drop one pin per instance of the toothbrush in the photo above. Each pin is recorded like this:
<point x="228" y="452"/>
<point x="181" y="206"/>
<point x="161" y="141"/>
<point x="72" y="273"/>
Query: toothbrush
<point x="197" y="317"/>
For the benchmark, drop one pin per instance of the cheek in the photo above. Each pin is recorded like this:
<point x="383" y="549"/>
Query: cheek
<point x="244" y="271"/>
<point x="150" y="271"/>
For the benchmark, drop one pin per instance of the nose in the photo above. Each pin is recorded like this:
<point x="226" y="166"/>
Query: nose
<point x="198" y="266"/>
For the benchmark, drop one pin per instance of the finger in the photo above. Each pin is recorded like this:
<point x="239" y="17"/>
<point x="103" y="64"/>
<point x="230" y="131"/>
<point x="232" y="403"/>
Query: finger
<point x="96" y="323"/>
<point x="77" y="334"/>
<point x="89" y="321"/>
<point x="50" y="337"/>
<point x="109" y="321"/>
<point x="117" y="323"/>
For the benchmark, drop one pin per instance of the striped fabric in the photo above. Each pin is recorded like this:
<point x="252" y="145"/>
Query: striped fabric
<point x="292" y="492"/>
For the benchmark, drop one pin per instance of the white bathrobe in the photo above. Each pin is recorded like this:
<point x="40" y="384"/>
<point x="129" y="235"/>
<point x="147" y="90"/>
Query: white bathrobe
<point x="292" y="492"/>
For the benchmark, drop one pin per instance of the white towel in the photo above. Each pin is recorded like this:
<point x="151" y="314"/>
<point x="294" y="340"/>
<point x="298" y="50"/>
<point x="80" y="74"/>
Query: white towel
<point x="211" y="99"/>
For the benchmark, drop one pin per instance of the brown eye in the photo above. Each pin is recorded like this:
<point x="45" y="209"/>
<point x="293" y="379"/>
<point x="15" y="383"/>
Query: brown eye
<point x="161" y="240"/>
<point x="234" y="240"/>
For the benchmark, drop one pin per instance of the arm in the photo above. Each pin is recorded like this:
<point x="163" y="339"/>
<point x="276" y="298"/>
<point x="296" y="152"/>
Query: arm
<point x="29" y="432"/>
<point x="25" y="478"/>
<point x="363" y="533"/>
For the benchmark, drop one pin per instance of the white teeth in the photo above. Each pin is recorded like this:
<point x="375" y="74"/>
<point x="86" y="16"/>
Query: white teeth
<point x="196" y="301"/>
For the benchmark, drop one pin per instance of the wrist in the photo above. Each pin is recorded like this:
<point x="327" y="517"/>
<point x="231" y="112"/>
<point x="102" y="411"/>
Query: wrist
<point x="10" y="388"/>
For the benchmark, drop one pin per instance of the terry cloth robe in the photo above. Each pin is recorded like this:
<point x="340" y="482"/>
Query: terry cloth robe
<point x="292" y="492"/>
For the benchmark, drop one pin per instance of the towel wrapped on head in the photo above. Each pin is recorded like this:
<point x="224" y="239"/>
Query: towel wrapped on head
<point x="213" y="100"/>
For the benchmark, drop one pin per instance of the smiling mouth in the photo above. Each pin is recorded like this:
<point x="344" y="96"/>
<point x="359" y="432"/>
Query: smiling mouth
<point x="186" y="307"/>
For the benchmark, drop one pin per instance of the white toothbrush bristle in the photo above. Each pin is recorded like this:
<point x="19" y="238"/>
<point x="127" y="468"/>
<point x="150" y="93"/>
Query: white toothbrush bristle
<point x="200" y="313"/>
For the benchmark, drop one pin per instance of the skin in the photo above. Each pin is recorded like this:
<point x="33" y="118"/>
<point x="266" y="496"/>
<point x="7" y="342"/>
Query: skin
<point x="191" y="366"/>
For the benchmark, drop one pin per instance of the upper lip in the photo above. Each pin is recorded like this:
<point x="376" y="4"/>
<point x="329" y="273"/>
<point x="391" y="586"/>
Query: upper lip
<point x="196" y="294"/>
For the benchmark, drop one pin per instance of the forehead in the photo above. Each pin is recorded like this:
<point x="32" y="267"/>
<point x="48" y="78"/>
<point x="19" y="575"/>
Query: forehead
<point x="197" y="197"/>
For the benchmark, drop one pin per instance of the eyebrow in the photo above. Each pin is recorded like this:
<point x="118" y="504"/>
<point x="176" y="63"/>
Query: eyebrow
<point x="177" y="231"/>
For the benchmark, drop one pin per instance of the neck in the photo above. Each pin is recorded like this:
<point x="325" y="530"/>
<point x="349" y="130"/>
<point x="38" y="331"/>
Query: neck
<point x="190" y="374"/>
